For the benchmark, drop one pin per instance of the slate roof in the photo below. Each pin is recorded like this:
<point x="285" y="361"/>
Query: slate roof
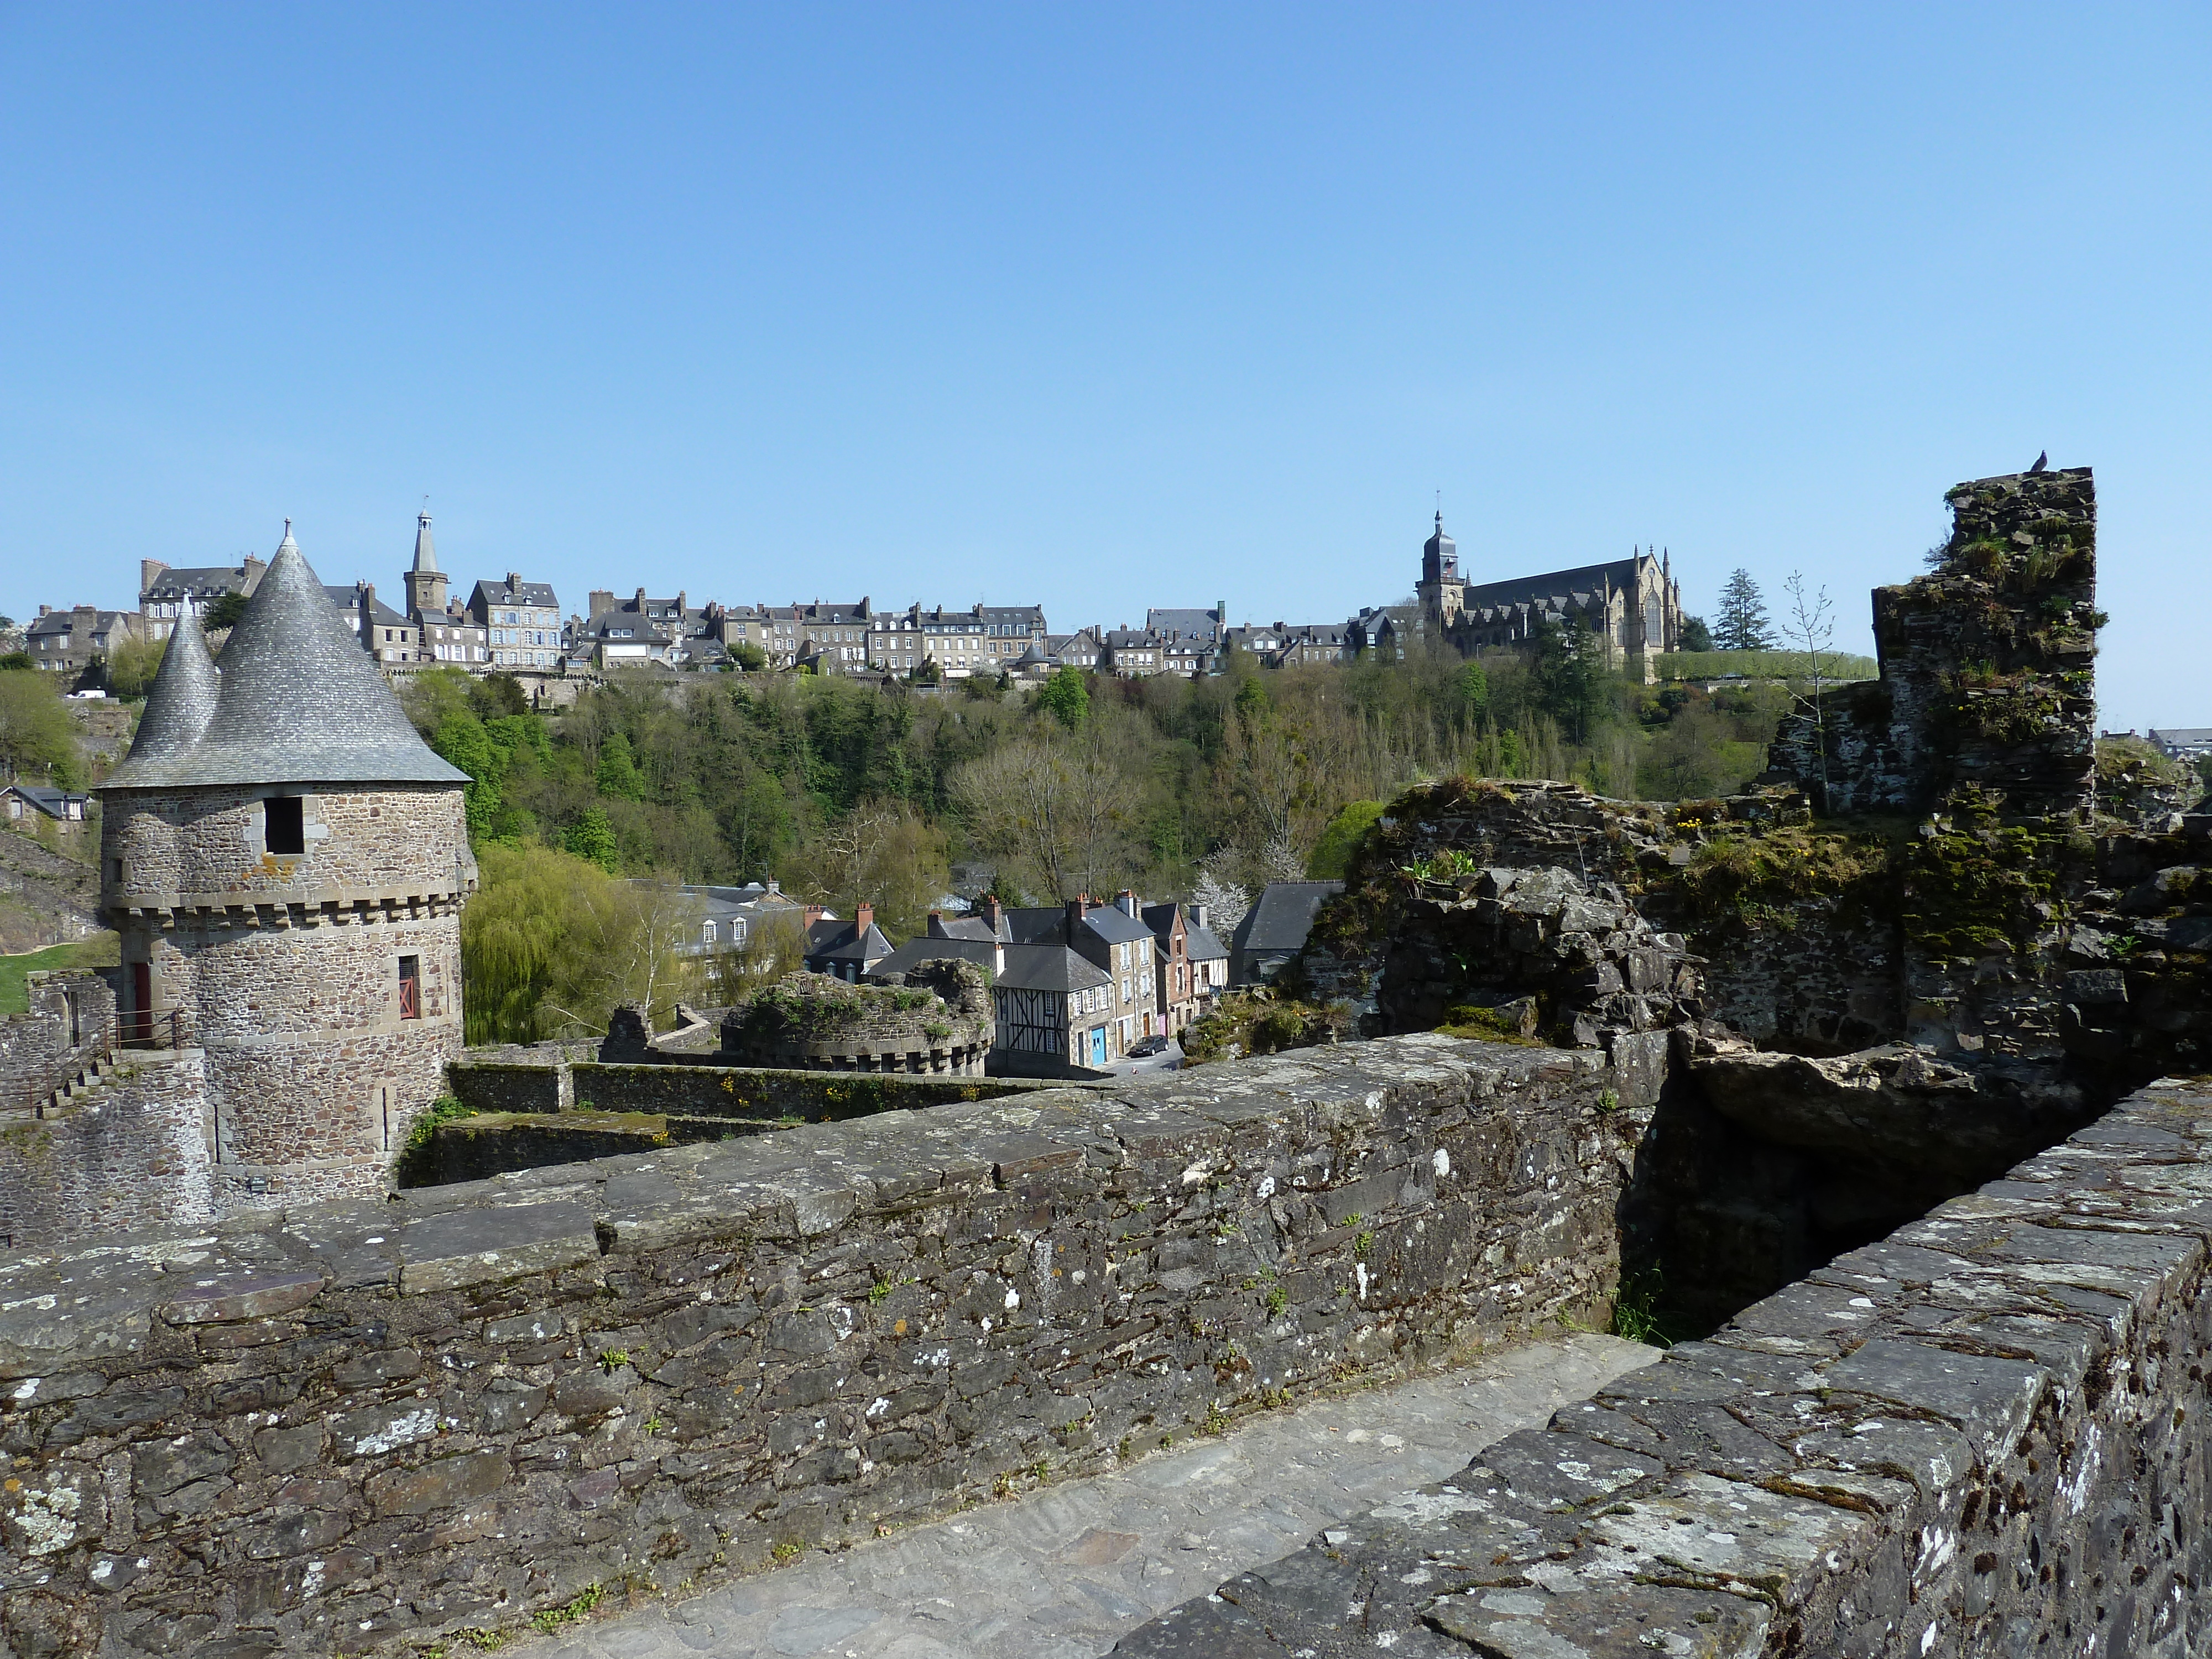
<point x="181" y="701"/>
<point x="348" y="600"/>
<point x="54" y="803"/>
<point x="1110" y="924"/>
<point x="1582" y="582"/>
<point x="491" y="593"/>
<point x="1049" y="968"/>
<point x="426" y="550"/>
<point x="1201" y="944"/>
<point x="196" y="581"/>
<point x="1204" y="626"/>
<point x="1284" y="915"/>
<point x="299" y="702"/>
<point x="915" y="952"/>
<point x="831" y="940"/>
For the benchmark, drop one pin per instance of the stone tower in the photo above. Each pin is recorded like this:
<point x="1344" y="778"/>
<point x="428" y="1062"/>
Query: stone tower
<point x="286" y="861"/>
<point x="426" y="583"/>
<point x="1440" y="589"/>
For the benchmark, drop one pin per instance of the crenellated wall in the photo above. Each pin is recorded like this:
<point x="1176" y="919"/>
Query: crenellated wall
<point x="357" y="1426"/>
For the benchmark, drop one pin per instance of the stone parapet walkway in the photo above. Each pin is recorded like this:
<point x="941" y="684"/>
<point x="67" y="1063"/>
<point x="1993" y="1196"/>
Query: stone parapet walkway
<point x="1068" y="1570"/>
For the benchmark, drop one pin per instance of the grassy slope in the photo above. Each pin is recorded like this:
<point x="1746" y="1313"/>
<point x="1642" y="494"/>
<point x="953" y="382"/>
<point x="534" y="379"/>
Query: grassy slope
<point x="98" y="951"/>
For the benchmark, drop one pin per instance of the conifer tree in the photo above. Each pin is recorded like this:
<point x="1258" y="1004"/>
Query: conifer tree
<point x="1743" y="625"/>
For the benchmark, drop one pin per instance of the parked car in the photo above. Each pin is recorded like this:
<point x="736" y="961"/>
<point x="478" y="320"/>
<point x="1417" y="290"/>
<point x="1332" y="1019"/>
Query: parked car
<point x="1148" y="1047"/>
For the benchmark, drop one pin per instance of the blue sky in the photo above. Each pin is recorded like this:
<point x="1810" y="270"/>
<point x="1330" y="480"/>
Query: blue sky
<point x="1104" y="308"/>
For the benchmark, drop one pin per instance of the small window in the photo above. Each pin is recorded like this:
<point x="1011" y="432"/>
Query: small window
<point x="284" y="825"/>
<point x="410" y="987"/>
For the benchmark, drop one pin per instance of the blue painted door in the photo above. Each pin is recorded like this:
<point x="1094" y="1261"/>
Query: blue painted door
<point x="1098" y="1045"/>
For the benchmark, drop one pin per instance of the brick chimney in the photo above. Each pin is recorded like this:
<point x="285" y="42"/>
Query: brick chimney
<point x="863" y="917"/>
<point x="1076" y="907"/>
<point x="937" y="924"/>
<point x="991" y="913"/>
<point x="813" y="915"/>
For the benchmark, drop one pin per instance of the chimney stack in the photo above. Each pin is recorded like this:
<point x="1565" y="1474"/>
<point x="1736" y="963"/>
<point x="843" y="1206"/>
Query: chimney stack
<point x="1076" y="907"/>
<point x="1125" y="902"/>
<point x="513" y="581"/>
<point x="1198" y="913"/>
<point x="937" y="924"/>
<point x="863" y="917"/>
<point x="813" y="915"/>
<point x="992" y="914"/>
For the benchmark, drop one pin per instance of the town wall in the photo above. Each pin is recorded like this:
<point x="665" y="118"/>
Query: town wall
<point x="360" y="1426"/>
<point x="70" y="1021"/>
<point x="128" y="1147"/>
<point x="1986" y="1435"/>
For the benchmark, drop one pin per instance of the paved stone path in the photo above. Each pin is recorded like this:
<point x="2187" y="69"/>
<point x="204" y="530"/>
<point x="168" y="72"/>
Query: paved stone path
<point x="1066" y="1572"/>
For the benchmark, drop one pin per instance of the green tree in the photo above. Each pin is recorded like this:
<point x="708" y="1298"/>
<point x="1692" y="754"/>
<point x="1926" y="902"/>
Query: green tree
<point x="1066" y="697"/>
<point x="223" y="612"/>
<point x="749" y="656"/>
<point x="1743" y="625"/>
<point x="592" y="838"/>
<point x="617" y="775"/>
<point x="461" y="740"/>
<point x="1332" y="853"/>
<point x="1569" y="679"/>
<point x="35" y="733"/>
<point x="133" y="664"/>
<point x="1473" y="688"/>
<point x="1696" y="636"/>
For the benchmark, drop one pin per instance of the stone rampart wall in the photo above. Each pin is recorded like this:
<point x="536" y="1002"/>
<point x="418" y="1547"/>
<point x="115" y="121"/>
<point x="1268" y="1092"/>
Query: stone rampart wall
<point x="129" y="1150"/>
<point x="70" y="1021"/>
<point x="380" y="1421"/>
<point x="1987" y="1435"/>
<point x="708" y="1089"/>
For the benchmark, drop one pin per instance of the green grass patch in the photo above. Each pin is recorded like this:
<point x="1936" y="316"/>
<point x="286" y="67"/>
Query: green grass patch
<point x="100" y="951"/>
<point x="1765" y="666"/>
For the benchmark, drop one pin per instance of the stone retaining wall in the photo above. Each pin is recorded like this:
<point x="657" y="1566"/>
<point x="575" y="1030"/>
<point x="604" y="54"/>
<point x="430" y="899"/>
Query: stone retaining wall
<point x="70" y="1021"/>
<point x="129" y="1149"/>
<point x="709" y="1090"/>
<point x="363" y="1425"/>
<point x="1986" y="1435"/>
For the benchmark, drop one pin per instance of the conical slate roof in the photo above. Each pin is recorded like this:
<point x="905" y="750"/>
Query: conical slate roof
<point x="299" y="702"/>
<point x="426" y="552"/>
<point x="178" y="704"/>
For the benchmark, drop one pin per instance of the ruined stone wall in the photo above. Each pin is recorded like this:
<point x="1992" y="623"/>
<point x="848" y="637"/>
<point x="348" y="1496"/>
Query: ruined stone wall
<point x="70" y="1020"/>
<point x="1986" y="666"/>
<point x="709" y="1091"/>
<point x="1987" y="1435"/>
<point x="378" y="1422"/>
<point x="128" y="1150"/>
<point x="941" y="1020"/>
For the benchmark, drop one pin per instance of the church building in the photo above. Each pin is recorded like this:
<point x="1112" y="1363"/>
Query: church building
<point x="1633" y="606"/>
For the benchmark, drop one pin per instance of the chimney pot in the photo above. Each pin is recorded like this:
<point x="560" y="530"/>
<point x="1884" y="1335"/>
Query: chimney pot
<point x="863" y="917"/>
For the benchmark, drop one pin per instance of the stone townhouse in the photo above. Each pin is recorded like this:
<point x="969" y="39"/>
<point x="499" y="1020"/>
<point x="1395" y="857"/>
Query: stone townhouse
<point x="521" y="621"/>
<point x="1052" y="1008"/>
<point x="70" y="642"/>
<point x="990" y="640"/>
<point x="1190" y="640"/>
<point x="1209" y="959"/>
<point x="828" y="638"/>
<point x="645" y="632"/>
<point x="1315" y="643"/>
<point x="445" y="632"/>
<point x="1133" y="653"/>
<point x="164" y="590"/>
<point x="1112" y="938"/>
<point x="386" y="635"/>
<point x="1274" y="929"/>
<point x="1176" y="999"/>
<point x="844" y="949"/>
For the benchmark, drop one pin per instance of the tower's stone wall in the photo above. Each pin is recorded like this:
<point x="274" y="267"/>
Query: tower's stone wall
<point x="197" y="849"/>
<point x="285" y="971"/>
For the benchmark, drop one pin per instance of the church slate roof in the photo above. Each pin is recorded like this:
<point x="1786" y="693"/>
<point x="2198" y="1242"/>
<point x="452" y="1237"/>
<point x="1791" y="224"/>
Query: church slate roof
<point x="299" y="702"/>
